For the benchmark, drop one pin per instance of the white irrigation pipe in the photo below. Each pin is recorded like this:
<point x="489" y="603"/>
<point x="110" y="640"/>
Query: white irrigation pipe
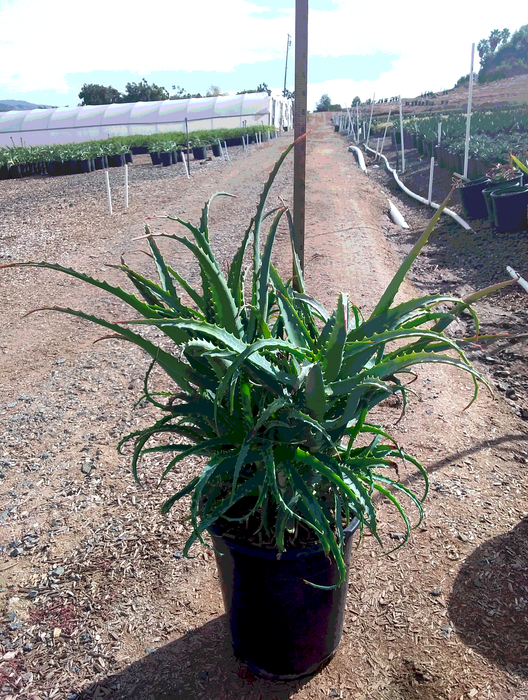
<point x="396" y="216"/>
<point x="126" y="186"/>
<point x="431" y="175"/>
<point x="359" y="154"/>
<point x="226" y="151"/>
<point x="108" y="191"/>
<point x="221" y="149"/>
<point x="439" y="132"/>
<point x="422" y="199"/>
<point x="515" y="275"/>
<point x="468" y="118"/>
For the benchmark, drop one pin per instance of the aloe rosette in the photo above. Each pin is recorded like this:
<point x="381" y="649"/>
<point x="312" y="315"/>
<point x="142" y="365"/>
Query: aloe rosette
<point x="272" y="389"/>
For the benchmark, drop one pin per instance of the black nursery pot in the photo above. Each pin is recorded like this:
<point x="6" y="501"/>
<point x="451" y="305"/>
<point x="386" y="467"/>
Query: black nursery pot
<point x="116" y="161"/>
<point x="282" y="627"/>
<point x="217" y="151"/>
<point x="505" y="184"/>
<point x="472" y="199"/>
<point x="155" y="157"/>
<point x="199" y="152"/>
<point x="166" y="158"/>
<point x="510" y="208"/>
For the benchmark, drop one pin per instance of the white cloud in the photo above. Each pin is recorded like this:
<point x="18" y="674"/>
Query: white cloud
<point x="433" y="42"/>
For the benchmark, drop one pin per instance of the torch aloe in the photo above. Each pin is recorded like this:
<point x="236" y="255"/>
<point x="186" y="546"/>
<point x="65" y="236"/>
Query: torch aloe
<point x="273" y="390"/>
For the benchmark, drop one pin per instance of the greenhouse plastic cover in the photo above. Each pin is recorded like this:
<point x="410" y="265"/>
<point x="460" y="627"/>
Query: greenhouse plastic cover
<point x="72" y="125"/>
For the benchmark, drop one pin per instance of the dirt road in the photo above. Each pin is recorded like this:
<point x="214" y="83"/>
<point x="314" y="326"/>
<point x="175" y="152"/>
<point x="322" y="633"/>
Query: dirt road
<point x="95" y="599"/>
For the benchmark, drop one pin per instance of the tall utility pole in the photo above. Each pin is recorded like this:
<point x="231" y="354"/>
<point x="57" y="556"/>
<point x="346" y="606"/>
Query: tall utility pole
<point x="299" y="153"/>
<point x="288" y="44"/>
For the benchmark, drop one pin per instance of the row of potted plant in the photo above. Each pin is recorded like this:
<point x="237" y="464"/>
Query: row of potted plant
<point x="484" y="151"/>
<point x="65" y="159"/>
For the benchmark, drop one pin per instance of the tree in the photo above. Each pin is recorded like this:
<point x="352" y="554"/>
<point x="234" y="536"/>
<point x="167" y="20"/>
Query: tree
<point x="93" y="94"/>
<point x="214" y="91"/>
<point x="263" y="87"/>
<point x="182" y="95"/>
<point x="143" y="92"/>
<point x="509" y="56"/>
<point x="324" y="104"/>
<point x="289" y="95"/>
<point x="356" y="101"/>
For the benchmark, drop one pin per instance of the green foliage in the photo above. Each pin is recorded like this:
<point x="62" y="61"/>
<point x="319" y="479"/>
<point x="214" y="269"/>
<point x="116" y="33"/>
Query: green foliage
<point x="143" y="92"/>
<point x="93" y="94"/>
<point x="274" y="391"/>
<point x="263" y="87"/>
<point x="356" y="101"/>
<point x="462" y="80"/>
<point x="502" y="56"/>
<point x="324" y="104"/>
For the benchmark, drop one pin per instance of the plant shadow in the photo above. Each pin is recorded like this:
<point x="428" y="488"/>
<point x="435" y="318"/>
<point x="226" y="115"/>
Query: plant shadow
<point x="488" y="604"/>
<point x="200" y="664"/>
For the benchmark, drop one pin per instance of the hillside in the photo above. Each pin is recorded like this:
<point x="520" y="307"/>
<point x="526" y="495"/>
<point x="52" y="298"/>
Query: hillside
<point x="7" y="105"/>
<point x="499" y="92"/>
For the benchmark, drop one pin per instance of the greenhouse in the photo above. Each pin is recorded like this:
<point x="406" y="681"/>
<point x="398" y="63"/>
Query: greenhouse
<point x="73" y="125"/>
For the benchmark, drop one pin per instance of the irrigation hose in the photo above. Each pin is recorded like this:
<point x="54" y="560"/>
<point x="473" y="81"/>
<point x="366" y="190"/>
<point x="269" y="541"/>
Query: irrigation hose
<point x="457" y="218"/>
<point x="359" y="154"/>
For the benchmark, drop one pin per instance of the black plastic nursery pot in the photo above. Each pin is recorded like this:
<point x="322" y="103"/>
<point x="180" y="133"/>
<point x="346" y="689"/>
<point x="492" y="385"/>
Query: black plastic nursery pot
<point x="217" y="151"/>
<point x="155" y="157"/>
<point x="199" y="152"/>
<point x="139" y="150"/>
<point x="4" y="172"/>
<point x="166" y="158"/>
<point x="282" y="627"/>
<point x="510" y="208"/>
<point x="116" y="161"/>
<point x="472" y="199"/>
<point x="86" y="165"/>
<point x="128" y="158"/>
<point x="506" y="184"/>
<point x="15" y="171"/>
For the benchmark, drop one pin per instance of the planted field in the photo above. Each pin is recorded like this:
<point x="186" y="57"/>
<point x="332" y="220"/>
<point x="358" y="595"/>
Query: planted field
<point x="95" y="597"/>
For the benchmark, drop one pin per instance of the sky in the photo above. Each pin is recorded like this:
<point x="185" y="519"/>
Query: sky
<point x="50" y="48"/>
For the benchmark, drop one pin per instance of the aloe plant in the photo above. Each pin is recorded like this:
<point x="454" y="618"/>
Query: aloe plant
<point x="272" y="389"/>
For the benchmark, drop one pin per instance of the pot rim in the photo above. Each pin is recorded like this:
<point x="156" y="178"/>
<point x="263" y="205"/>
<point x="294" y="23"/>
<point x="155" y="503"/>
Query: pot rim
<point x="272" y="553"/>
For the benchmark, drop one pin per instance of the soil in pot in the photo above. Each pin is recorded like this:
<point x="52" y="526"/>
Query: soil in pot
<point x="281" y="627"/>
<point x="510" y="208"/>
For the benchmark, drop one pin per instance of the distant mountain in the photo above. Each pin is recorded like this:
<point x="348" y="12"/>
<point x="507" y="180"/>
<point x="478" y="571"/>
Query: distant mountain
<point x="6" y="105"/>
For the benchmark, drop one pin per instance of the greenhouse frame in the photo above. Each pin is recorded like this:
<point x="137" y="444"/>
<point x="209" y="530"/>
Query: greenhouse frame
<point x="61" y="125"/>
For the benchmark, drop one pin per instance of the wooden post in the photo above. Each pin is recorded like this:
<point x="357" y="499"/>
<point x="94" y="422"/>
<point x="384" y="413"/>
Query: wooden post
<point x="299" y="153"/>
